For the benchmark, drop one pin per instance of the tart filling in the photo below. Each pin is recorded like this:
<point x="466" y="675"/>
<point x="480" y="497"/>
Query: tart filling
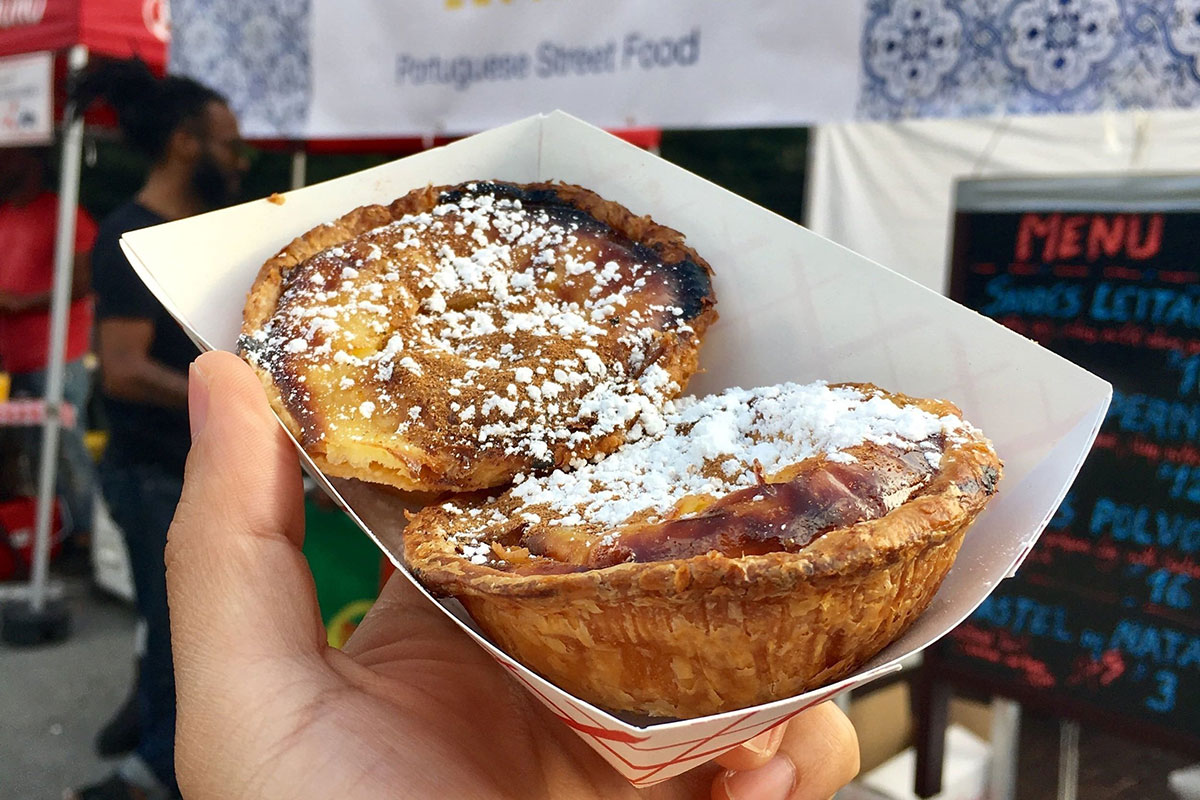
<point x="465" y="334"/>
<point x="761" y="543"/>
<point x="740" y="473"/>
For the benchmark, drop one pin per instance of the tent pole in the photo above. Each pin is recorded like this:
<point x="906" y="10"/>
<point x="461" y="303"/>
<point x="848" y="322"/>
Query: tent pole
<point x="64" y="257"/>
<point x="299" y="166"/>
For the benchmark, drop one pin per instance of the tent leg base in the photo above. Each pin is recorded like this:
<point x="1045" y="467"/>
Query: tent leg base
<point x="20" y="624"/>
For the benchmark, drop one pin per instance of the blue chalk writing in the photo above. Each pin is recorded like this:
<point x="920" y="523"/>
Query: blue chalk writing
<point x="1024" y="615"/>
<point x="1189" y="369"/>
<point x="1164" y="700"/>
<point x="1169" y="589"/>
<point x="1145" y="525"/>
<point x="1092" y="641"/>
<point x="1168" y="420"/>
<point x="1065" y="514"/>
<point x="1059" y="300"/>
<point x="1154" y="305"/>
<point x="1165" y="647"/>
<point x="1184" y="480"/>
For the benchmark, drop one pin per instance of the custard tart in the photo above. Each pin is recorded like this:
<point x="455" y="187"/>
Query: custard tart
<point x="466" y="334"/>
<point x="760" y="544"/>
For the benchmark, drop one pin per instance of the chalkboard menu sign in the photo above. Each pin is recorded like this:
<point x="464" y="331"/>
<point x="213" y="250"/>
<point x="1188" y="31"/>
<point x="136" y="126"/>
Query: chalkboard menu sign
<point x="1102" y="621"/>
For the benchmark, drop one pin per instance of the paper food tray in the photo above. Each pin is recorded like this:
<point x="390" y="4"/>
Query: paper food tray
<point x="793" y="307"/>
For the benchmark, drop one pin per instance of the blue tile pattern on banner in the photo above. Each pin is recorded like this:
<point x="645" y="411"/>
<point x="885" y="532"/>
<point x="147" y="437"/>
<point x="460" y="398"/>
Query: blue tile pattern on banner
<point x="955" y="58"/>
<point x="255" y="52"/>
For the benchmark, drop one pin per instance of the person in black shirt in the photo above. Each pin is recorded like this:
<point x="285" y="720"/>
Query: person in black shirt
<point x="191" y="137"/>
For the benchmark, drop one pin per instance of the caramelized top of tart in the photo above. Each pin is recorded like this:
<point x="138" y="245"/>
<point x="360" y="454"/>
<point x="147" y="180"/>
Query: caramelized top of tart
<point x="495" y="329"/>
<point x="745" y="472"/>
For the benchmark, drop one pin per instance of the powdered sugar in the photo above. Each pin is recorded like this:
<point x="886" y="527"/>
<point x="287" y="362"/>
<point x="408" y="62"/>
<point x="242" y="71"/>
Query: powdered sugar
<point x="426" y="311"/>
<point x="708" y="446"/>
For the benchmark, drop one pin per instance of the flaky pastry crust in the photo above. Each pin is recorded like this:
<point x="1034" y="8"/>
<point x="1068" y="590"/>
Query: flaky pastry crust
<point x="389" y="350"/>
<point x="690" y="637"/>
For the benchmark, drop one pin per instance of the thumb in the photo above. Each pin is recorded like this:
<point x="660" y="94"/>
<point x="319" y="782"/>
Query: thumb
<point x="237" y="582"/>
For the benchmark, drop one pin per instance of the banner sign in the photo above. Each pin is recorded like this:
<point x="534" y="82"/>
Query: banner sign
<point x="958" y="58"/>
<point x="26" y="110"/>
<point x="1103" y="619"/>
<point x="359" y="68"/>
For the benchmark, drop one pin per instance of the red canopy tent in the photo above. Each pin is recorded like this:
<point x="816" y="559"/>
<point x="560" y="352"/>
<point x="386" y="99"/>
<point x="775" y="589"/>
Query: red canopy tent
<point x="71" y="29"/>
<point x="120" y="28"/>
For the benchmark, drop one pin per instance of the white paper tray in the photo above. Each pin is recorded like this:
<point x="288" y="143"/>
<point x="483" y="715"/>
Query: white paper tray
<point x="793" y="306"/>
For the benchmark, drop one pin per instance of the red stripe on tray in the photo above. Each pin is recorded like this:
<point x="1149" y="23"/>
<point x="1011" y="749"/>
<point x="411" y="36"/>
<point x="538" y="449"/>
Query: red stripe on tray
<point x="595" y="731"/>
<point x="603" y="736"/>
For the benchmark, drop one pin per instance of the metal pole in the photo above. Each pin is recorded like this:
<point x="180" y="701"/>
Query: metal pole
<point x="60" y="302"/>
<point x="1068" y="760"/>
<point x="1006" y="737"/>
<point x="299" y="166"/>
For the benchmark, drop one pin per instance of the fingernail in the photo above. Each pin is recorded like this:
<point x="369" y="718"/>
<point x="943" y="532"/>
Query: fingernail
<point x="773" y="780"/>
<point x="197" y="400"/>
<point x="765" y="742"/>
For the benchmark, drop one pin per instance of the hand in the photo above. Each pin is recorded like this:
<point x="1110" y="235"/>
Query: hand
<point x="411" y="707"/>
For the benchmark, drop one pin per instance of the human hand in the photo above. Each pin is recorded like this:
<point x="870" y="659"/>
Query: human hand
<point x="411" y="707"/>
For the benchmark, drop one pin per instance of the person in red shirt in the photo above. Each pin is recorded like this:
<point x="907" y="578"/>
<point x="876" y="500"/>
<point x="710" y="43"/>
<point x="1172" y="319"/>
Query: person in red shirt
<point x="28" y="221"/>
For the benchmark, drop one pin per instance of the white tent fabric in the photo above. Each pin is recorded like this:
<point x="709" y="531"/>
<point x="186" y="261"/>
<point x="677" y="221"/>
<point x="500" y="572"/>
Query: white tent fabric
<point x="886" y="189"/>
